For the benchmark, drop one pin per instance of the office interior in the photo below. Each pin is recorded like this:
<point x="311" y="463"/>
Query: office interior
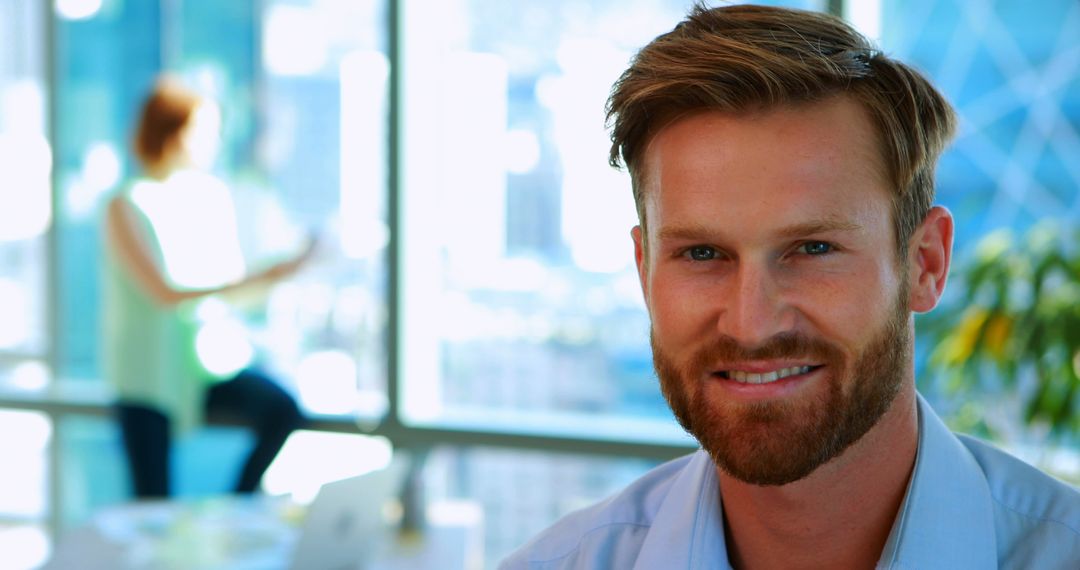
<point x="475" y="304"/>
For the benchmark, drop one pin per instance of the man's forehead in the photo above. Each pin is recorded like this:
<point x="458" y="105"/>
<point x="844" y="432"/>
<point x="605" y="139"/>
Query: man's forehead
<point x="846" y="119"/>
<point x="788" y="171"/>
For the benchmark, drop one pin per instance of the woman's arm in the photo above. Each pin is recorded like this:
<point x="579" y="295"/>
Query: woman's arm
<point x="135" y="257"/>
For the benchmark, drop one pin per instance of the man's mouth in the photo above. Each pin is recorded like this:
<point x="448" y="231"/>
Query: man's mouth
<point x="744" y="377"/>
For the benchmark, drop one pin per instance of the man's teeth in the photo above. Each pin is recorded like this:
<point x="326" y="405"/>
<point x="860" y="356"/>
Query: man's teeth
<point x="750" y="378"/>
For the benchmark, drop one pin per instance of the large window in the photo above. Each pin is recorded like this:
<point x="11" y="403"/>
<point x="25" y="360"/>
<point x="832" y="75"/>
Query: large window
<point x="302" y="90"/>
<point x="25" y="201"/>
<point x="25" y="218"/>
<point x="324" y="78"/>
<point x="1011" y="71"/>
<point x="304" y="151"/>
<point x="522" y="308"/>
<point x="522" y="492"/>
<point x="476" y="297"/>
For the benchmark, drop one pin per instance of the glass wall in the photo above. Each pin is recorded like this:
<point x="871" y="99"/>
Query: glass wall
<point x="106" y="55"/>
<point x="23" y="496"/>
<point x="517" y="262"/>
<point x="25" y="201"/>
<point x="520" y="310"/>
<point x="321" y="146"/>
<point x="520" y="493"/>
<point x="302" y="90"/>
<point x="301" y="85"/>
<point x="25" y="217"/>
<point x="1012" y="70"/>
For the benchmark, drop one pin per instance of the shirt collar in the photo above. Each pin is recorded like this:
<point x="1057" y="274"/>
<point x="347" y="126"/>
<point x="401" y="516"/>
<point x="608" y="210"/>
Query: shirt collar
<point x="945" y="521"/>
<point x="688" y="529"/>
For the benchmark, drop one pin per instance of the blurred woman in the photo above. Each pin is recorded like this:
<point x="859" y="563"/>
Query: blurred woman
<point x="171" y="244"/>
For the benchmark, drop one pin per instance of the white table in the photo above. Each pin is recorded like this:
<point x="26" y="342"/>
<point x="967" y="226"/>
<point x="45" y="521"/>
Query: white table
<point x="248" y="534"/>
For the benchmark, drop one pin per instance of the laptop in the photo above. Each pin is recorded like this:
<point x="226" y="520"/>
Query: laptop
<point x="345" y="526"/>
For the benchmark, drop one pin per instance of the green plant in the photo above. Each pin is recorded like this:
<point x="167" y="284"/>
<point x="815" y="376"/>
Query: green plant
<point x="1016" y="325"/>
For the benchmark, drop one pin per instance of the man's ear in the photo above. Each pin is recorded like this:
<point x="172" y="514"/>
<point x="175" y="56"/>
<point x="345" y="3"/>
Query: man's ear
<point x="929" y="255"/>
<point x="641" y="260"/>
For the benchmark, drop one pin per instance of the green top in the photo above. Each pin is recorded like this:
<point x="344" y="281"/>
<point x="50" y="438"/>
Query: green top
<point x="149" y="349"/>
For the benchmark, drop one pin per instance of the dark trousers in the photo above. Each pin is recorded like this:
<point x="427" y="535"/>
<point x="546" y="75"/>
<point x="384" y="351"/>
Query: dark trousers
<point x="249" y="399"/>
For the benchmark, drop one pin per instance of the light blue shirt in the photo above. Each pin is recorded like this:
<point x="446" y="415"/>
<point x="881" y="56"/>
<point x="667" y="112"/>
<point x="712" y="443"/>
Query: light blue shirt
<point x="968" y="505"/>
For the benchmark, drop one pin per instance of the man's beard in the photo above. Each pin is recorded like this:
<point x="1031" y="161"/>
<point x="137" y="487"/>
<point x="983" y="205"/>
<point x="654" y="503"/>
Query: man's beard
<point x="778" y="442"/>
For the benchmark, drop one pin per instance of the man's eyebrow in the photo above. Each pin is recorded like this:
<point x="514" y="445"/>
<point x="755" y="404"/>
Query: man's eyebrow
<point x="819" y="227"/>
<point x="684" y="232"/>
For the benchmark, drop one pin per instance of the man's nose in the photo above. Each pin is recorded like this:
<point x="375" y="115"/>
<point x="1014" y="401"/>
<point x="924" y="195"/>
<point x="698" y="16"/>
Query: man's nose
<point x="755" y="310"/>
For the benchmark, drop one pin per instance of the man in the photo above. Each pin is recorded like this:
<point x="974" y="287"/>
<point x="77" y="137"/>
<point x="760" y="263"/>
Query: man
<point x="783" y="174"/>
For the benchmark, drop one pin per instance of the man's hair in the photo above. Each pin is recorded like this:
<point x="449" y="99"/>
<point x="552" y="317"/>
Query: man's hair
<point x="165" y="113"/>
<point x="746" y="58"/>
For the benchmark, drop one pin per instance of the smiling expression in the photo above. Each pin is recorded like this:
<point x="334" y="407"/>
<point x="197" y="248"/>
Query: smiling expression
<point x="780" y="323"/>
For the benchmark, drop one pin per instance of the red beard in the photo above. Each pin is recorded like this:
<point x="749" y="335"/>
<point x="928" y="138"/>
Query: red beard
<point x="778" y="442"/>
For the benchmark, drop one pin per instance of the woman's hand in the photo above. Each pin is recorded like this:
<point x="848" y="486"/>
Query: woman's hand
<point x="287" y="268"/>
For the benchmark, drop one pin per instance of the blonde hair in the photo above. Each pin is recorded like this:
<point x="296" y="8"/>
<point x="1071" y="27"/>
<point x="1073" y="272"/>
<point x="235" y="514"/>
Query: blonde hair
<point x="745" y="58"/>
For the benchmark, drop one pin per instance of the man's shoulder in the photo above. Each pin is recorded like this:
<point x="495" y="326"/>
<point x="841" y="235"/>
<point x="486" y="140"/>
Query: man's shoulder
<point x="608" y="531"/>
<point x="1023" y="489"/>
<point x="1030" y="506"/>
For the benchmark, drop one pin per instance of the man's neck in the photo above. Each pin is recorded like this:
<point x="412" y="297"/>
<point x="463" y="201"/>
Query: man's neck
<point x="838" y="517"/>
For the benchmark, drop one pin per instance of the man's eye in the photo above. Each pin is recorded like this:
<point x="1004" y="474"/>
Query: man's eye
<point x="701" y="253"/>
<point x="815" y="248"/>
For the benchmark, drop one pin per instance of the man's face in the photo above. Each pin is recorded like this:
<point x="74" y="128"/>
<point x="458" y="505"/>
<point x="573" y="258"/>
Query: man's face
<point x="780" y="321"/>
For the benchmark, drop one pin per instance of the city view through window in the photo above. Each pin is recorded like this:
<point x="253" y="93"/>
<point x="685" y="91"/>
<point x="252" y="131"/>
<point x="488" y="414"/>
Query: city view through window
<point x="476" y="271"/>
